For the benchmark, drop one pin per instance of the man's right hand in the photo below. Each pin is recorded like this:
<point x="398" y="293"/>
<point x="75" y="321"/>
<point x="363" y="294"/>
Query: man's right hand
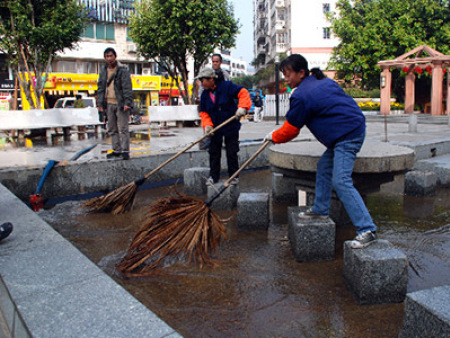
<point x="100" y="108"/>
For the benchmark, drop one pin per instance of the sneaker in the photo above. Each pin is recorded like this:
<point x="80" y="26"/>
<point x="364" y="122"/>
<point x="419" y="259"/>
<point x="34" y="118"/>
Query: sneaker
<point x="309" y="213"/>
<point x="126" y="156"/>
<point x="363" y="239"/>
<point x="234" y="181"/>
<point x="113" y="154"/>
<point x="210" y="181"/>
<point x="5" y="230"/>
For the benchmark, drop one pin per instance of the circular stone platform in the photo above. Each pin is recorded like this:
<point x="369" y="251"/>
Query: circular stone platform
<point x="374" y="157"/>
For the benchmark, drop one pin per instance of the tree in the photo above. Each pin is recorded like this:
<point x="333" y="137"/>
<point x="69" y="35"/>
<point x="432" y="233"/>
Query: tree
<point x="33" y="31"/>
<point x="172" y="31"/>
<point x="246" y="81"/>
<point x="375" y="30"/>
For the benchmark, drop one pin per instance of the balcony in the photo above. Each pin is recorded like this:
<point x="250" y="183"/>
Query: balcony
<point x="261" y="40"/>
<point x="131" y="48"/>
<point x="280" y="25"/>
<point x="281" y="48"/>
<point x="261" y="50"/>
<point x="280" y="4"/>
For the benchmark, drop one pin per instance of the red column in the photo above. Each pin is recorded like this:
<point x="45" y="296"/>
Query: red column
<point x="436" y="88"/>
<point x="448" y="91"/>
<point x="410" y="92"/>
<point x="385" y="91"/>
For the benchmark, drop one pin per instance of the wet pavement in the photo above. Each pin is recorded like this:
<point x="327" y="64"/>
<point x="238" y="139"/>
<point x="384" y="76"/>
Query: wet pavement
<point x="258" y="289"/>
<point x="36" y="151"/>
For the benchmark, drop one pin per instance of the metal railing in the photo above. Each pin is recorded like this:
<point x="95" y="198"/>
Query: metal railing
<point x="270" y="105"/>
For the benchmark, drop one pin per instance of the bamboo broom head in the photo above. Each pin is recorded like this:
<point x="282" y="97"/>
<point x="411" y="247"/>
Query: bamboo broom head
<point x="175" y="226"/>
<point x="117" y="201"/>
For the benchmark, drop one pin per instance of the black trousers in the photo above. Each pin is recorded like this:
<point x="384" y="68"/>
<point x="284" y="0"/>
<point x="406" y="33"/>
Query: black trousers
<point x="215" y="154"/>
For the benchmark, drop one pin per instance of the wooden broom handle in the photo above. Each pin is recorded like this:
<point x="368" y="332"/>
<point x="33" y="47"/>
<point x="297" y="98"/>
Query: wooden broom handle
<point x="232" y="118"/>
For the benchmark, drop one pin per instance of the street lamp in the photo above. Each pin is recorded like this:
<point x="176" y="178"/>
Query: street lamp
<point x="277" y="88"/>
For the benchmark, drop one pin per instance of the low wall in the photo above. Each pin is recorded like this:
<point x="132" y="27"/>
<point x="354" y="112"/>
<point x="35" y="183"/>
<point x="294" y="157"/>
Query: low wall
<point x="94" y="176"/>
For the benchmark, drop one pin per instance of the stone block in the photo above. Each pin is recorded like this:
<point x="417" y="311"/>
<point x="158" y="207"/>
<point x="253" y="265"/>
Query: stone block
<point x="420" y="183"/>
<point x="194" y="181"/>
<point x="311" y="239"/>
<point x="376" y="274"/>
<point x="427" y="313"/>
<point x="227" y="200"/>
<point x="253" y="211"/>
<point x="283" y="189"/>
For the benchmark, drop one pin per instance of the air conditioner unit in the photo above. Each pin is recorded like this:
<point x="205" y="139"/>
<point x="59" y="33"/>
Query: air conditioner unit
<point x="131" y="48"/>
<point x="146" y="71"/>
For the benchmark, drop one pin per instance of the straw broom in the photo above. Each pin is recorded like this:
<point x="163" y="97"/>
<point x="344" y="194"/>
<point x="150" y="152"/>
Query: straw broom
<point x="178" y="226"/>
<point x="121" y="199"/>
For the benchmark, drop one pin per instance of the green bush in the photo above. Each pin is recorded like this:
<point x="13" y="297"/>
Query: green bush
<point x="356" y="92"/>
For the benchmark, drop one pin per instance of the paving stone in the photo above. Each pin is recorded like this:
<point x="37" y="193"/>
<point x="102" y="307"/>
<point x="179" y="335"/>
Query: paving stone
<point x="427" y="313"/>
<point x="194" y="181"/>
<point x="311" y="239"/>
<point x="283" y="189"/>
<point x="227" y="200"/>
<point x="420" y="183"/>
<point x="376" y="274"/>
<point x="253" y="211"/>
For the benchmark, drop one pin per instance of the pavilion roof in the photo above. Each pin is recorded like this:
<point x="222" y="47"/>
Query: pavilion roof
<point x="415" y="56"/>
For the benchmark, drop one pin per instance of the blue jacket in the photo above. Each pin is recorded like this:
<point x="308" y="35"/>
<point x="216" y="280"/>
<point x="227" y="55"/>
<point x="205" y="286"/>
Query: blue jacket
<point x="329" y="113"/>
<point x="225" y="106"/>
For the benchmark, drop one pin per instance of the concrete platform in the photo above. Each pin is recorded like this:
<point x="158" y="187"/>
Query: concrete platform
<point x="374" y="157"/>
<point x="50" y="289"/>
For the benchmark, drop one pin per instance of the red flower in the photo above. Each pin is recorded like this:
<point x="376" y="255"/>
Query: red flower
<point x="429" y="69"/>
<point x="406" y="69"/>
<point x="418" y="70"/>
<point x="445" y="70"/>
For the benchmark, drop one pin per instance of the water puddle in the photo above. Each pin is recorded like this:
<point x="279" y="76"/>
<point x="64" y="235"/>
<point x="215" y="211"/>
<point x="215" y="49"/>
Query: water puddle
<point x="258" y="289"/>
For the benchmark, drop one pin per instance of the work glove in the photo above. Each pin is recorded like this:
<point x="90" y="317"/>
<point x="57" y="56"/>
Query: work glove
<point x="268" y="137"/>
<point x="208" y="129"/>
<point x="240" y="112"/>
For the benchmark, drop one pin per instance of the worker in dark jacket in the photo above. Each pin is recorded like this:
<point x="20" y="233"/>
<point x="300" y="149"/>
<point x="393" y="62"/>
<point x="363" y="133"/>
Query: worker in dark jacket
<point x="115" y="96"/>
<point x="219" y="101"/>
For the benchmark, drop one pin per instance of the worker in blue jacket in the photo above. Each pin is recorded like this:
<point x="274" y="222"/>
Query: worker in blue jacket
<point x="337" y="122"/>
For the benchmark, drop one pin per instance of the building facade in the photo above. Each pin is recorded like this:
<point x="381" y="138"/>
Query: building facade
<point x="75" y="71"/>
<point x="284" y="27"/>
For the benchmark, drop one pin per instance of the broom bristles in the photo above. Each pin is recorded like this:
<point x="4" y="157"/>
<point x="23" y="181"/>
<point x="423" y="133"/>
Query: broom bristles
<point x="117" y="201"/>
<point x="175" y="226"/>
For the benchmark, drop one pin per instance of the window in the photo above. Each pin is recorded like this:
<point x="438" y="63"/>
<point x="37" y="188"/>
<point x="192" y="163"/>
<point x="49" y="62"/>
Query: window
<point x="89" y="67"/>
<point x="326" y="7"/>
<point x="66" y="67"/>
<point x="99" y="31"/>
<point x="88" y="31"/>
<point x="109" y="32"/>
<point x="326" y="33"/>
<point x="128" y="34"/>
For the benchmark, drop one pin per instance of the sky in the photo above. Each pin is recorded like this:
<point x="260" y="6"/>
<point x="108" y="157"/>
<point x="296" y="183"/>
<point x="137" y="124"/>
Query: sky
<point x="243" y="10"/>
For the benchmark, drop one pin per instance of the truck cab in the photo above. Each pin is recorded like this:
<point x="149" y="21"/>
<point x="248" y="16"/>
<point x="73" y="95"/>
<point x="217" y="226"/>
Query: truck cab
<point x="67" y="102"/>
